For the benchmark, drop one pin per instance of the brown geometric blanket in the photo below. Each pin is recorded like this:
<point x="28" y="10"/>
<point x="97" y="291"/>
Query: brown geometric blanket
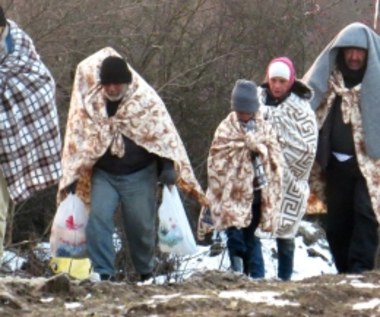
<point x="30" y="143"/>
<point x="141" y="116"/>
<point x="230" y="176"/>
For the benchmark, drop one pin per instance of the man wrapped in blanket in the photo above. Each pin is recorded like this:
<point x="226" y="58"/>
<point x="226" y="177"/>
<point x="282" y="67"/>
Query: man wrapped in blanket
<point x="346" y="174"/>
<point x="30" y="142"/>
<point x="120" y="140"/>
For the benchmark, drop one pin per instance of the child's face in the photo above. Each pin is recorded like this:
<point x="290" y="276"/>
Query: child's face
<point x="245" y="116"/>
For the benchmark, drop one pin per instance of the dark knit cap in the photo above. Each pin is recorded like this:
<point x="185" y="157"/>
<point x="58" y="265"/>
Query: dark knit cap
<point x="244" y="96"/>
<point x="114" y="70"/>
<point x="3" y="20"/>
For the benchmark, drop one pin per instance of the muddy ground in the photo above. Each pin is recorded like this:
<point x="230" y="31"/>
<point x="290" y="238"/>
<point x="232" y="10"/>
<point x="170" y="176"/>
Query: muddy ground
<point x="212" y="293"/>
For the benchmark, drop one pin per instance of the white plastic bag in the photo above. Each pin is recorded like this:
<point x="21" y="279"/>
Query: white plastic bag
<point x="68" y="232"/>
<point x="174" y="232"/>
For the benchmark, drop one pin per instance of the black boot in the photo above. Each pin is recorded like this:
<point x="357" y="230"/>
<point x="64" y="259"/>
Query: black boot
<point x="145" y="277"/>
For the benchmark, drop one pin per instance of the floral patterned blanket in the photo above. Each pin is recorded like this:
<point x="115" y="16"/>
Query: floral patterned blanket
<point x="230" y="176"/>
<point x="369" y="167"/>
<point x="141" y="116"/>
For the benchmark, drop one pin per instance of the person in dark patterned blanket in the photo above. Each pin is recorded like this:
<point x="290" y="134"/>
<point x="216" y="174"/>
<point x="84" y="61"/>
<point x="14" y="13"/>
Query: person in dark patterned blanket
<point x="285" y="104"/>
<point x="346" y="176"/>
<point x="30" y="143"/>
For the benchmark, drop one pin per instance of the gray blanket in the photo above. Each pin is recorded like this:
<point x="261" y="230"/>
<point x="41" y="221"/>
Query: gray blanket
<point x="357" y="35"/>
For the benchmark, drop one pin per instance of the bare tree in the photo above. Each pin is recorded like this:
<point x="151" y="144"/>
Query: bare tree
<point x="191" y="51"/>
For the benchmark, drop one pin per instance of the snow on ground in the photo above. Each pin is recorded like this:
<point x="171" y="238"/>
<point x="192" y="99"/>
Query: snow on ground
<point x="304" y="264"/>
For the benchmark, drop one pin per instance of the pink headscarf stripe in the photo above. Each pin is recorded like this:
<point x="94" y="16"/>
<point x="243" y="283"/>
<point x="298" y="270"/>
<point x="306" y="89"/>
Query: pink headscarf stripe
<point x="287" y="61"/>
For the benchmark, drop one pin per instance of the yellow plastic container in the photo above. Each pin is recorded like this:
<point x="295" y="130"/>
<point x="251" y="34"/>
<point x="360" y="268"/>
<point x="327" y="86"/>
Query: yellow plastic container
<point x="76" y="268"/>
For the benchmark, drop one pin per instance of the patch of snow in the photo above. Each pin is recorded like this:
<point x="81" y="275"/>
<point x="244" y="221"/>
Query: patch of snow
<point x="258" y="297"/>
<point x="12" y="260"/>
<point x="359" y="284"/>
<point x="73" y="305"/>
<point x="42" y="251"/>
<point x="46" y="300"/>
<point x="371" y="304"/>
<point x="166" y="297"/>
<point x="195" y="296"/>
<point x="304" y="265"/>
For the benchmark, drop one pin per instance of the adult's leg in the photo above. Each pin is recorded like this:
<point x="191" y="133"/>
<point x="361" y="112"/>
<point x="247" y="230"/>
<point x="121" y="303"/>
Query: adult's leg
<point x="364" y="241"/>
<point x="138" y="199"/>
<point x="285" y="249"/>
<point x="4" y="204"/>
<point x="100" y="227"/>
<point x="340" y="215"/>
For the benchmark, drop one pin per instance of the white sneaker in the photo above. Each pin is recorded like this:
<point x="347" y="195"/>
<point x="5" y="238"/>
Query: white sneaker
<point x="94" y="277"/>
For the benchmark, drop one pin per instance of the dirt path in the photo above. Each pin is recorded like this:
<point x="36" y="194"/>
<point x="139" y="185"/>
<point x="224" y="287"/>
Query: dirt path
<point x="208" y="294"/>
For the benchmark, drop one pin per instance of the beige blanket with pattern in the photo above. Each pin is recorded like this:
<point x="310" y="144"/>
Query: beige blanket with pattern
<point x="230" y="176"/>
<point x="369" y="167"/>
<point x="141" y="116"/>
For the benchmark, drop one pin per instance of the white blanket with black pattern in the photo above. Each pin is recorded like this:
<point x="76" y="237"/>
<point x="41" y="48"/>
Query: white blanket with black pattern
<point x="297" y="132"/>
<point x="30" y="142"/>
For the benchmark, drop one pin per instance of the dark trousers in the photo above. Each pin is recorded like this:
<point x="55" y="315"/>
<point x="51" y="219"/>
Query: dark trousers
<point x="351" y="222"/>
<point x="285" y="249"/>
<point x="244" y="244"/>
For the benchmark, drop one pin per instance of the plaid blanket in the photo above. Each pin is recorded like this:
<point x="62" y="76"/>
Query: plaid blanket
<point x="30" y="142"/>
<point x="141" y="116"/>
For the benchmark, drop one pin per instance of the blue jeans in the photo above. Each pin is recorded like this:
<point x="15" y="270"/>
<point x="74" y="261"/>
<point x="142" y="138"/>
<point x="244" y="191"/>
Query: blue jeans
<point x="137" y="194"/>
<point x="285" y="250"/>
<point x="250" y="253"/>
<point x="242" y="243"/>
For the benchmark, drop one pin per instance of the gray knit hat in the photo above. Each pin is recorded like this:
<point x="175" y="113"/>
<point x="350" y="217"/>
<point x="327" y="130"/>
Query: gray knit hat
<point x="244" y="96"/>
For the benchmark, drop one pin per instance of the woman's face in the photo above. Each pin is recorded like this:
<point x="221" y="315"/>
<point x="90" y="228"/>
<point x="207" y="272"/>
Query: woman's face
<point x="278" y="87"/>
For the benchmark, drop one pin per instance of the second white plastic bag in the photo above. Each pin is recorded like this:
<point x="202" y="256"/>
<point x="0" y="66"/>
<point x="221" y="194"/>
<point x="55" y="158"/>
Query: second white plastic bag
<point x="174" y="233"/>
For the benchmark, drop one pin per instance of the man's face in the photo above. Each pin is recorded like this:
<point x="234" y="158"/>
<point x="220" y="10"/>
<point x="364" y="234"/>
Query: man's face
<point x="355" y="58"/>
<point x="114" y="92"/>
<point x="244" y="116"/>
<point x="278" y="87"/>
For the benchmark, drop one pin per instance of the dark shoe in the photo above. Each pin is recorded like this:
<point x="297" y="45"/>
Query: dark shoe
<point x="145" y="277"/>
<point x="107" y="277"/>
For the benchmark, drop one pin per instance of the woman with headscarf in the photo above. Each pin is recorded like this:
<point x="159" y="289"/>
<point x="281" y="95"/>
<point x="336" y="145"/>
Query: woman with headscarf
<point x="285" y="104"/>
